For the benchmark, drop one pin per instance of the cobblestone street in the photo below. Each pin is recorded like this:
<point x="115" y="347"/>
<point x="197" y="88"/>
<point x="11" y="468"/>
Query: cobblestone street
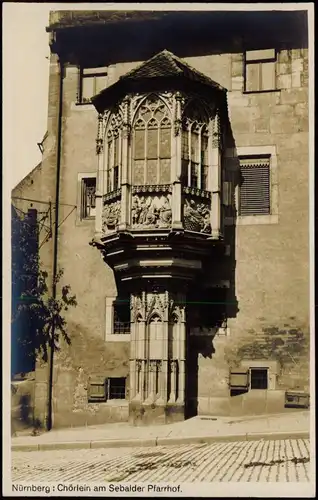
<point x="253" y="461"/>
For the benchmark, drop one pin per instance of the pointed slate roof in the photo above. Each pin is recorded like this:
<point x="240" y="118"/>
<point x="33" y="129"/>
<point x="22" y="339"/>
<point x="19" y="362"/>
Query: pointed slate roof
<point x="164" y="65"/>
<point x="167" y="64"/>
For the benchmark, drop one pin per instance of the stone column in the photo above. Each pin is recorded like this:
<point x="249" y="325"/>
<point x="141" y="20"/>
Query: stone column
<point x="100" y="176"/>
<point x="176" y="205"/>
<point x="173" y="374"/>
<point x="216" y="179"/>
<point x="125" y="187"/>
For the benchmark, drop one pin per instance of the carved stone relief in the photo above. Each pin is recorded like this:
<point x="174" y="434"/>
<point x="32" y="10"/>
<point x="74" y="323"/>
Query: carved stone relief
<point x="151" y="211"/>
<point x="111" y="215"/>
<point x="197" y="215"/>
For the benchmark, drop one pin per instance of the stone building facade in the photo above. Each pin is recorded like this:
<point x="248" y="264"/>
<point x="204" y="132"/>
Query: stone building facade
<point x="178" y="174"/>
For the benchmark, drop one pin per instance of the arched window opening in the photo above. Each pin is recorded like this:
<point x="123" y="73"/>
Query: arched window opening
<point x="152" y="143"/>
<point x="195" y="146"/>
<point x="113" y="154"/>
<point x="155" y="337"/>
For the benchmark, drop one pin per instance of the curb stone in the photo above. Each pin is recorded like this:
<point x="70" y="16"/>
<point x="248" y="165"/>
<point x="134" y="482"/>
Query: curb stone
<point x="160" y="441"/>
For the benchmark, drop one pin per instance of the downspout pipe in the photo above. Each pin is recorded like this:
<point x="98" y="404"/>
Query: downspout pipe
<point x="55" y="241"/>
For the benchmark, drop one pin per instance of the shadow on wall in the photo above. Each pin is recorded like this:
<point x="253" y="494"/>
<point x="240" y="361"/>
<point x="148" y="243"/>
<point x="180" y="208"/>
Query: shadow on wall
<point x="210" y="307"/>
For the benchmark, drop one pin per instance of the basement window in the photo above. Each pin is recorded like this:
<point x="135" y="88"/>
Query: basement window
<point x="100" y="389"/>
<point x="259" y="378"/>
<point x="116" y="388"/>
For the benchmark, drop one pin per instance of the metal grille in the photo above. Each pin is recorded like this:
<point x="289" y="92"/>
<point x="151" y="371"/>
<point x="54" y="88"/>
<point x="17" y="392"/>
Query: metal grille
<point x="254" y="198"/>
<point x="116" y="388"/>
<point x="122" y="316"/>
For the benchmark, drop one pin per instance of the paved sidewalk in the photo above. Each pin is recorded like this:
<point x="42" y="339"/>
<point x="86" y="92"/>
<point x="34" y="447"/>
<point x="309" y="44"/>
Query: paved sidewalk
<point x="199" y="429"/>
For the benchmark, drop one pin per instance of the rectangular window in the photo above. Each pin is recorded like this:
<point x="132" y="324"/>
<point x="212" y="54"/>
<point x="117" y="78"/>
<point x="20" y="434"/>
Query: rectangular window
<point x="122" y="315"/>
<point x="259" y="378"/>
<point x="260" y="70"/>
<point x="254" y="189"/>
<point x="116" y="388"/>
<point x="100" y="389"/>
<point x="91" y="82"/>
<point x="88" y="197"/>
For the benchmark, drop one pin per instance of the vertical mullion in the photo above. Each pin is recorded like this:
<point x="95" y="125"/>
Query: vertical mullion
<point x="189" y="155"/>
<point x="158" y="153"/>
<point x="260" y="76"/>
<point x="200" y="159"/>
<point x="119" y="157"/>
<point x="146" y="153"/>
<point x="113" y="163"/>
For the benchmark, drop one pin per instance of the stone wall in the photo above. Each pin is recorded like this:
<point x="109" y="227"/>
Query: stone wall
<point x="271" y="274"/>
<point x="271" y="260"/>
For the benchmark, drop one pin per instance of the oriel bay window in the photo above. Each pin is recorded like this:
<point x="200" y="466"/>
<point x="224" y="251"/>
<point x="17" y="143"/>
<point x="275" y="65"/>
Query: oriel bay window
<point x="152" y="143"/>
<point x="194" y="152"/>
<point x="113" y="155"/>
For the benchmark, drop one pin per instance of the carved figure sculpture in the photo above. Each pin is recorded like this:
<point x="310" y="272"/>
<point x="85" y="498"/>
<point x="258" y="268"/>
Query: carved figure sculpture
<point x="165" y="213"/>
<point x="111" y="215"/>
<point x="196" y="217"/>
<point x="135" y="210"/>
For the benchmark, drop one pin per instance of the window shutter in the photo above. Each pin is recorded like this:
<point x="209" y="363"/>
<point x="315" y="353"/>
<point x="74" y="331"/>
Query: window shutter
<point x="239" y="379"/>
<point x="97" y="389"/>
<point x="255" y="187"/>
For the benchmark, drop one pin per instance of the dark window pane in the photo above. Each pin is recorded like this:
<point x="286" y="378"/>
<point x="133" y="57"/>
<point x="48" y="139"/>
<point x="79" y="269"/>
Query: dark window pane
<point x="152" y="172"/>
<point x="268" y="76"/>
<point x="139" y="144"/>
<point x="165" y="143"/>
<point x="204" y="177"/>
<point x="116" y="152"/>
<point x="204" y="150"/>
<point x="116" y="177"/>
<point x="139" y="172"/>
<point x="259" y="378"/>
<point x="117" y="388"/>
<point x="252" y="77"/>
<point x="87" y="88"/>
<point x="194" y="147"/>
<point x="88" y="197"/>
<point x="152" y="143"/>
<point x="185" y="144"/>
<point x="194" y="174"/>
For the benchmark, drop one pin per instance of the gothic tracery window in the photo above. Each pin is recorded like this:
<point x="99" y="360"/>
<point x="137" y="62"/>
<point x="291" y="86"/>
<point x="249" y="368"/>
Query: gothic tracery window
<point x="113" y="153"/>
<point x="152" y="143"/>
<point x="195" y="144"/>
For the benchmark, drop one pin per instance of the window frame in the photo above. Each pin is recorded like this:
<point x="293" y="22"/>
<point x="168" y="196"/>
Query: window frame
<point x="259" y="61"/>
<point x="250" y="162"/>
<point x="194" y="159"/>
<point x="110" y="335"/>
<point x="151" y="124"/>
<point x="94" y="75"/>
<point x="121" y="327"/>
<point x="109" y="388"/>
<point x="249" y="220"/>
<point x="82" y="177"/>
<point x="258" y="369"/>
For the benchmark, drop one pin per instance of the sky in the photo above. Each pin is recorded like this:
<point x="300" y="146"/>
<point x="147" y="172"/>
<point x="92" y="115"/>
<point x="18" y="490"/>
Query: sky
<point x="25" y="85"/>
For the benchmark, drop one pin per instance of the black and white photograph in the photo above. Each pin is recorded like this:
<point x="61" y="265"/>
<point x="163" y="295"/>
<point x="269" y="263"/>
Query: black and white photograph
<point x="158" y="220"/>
